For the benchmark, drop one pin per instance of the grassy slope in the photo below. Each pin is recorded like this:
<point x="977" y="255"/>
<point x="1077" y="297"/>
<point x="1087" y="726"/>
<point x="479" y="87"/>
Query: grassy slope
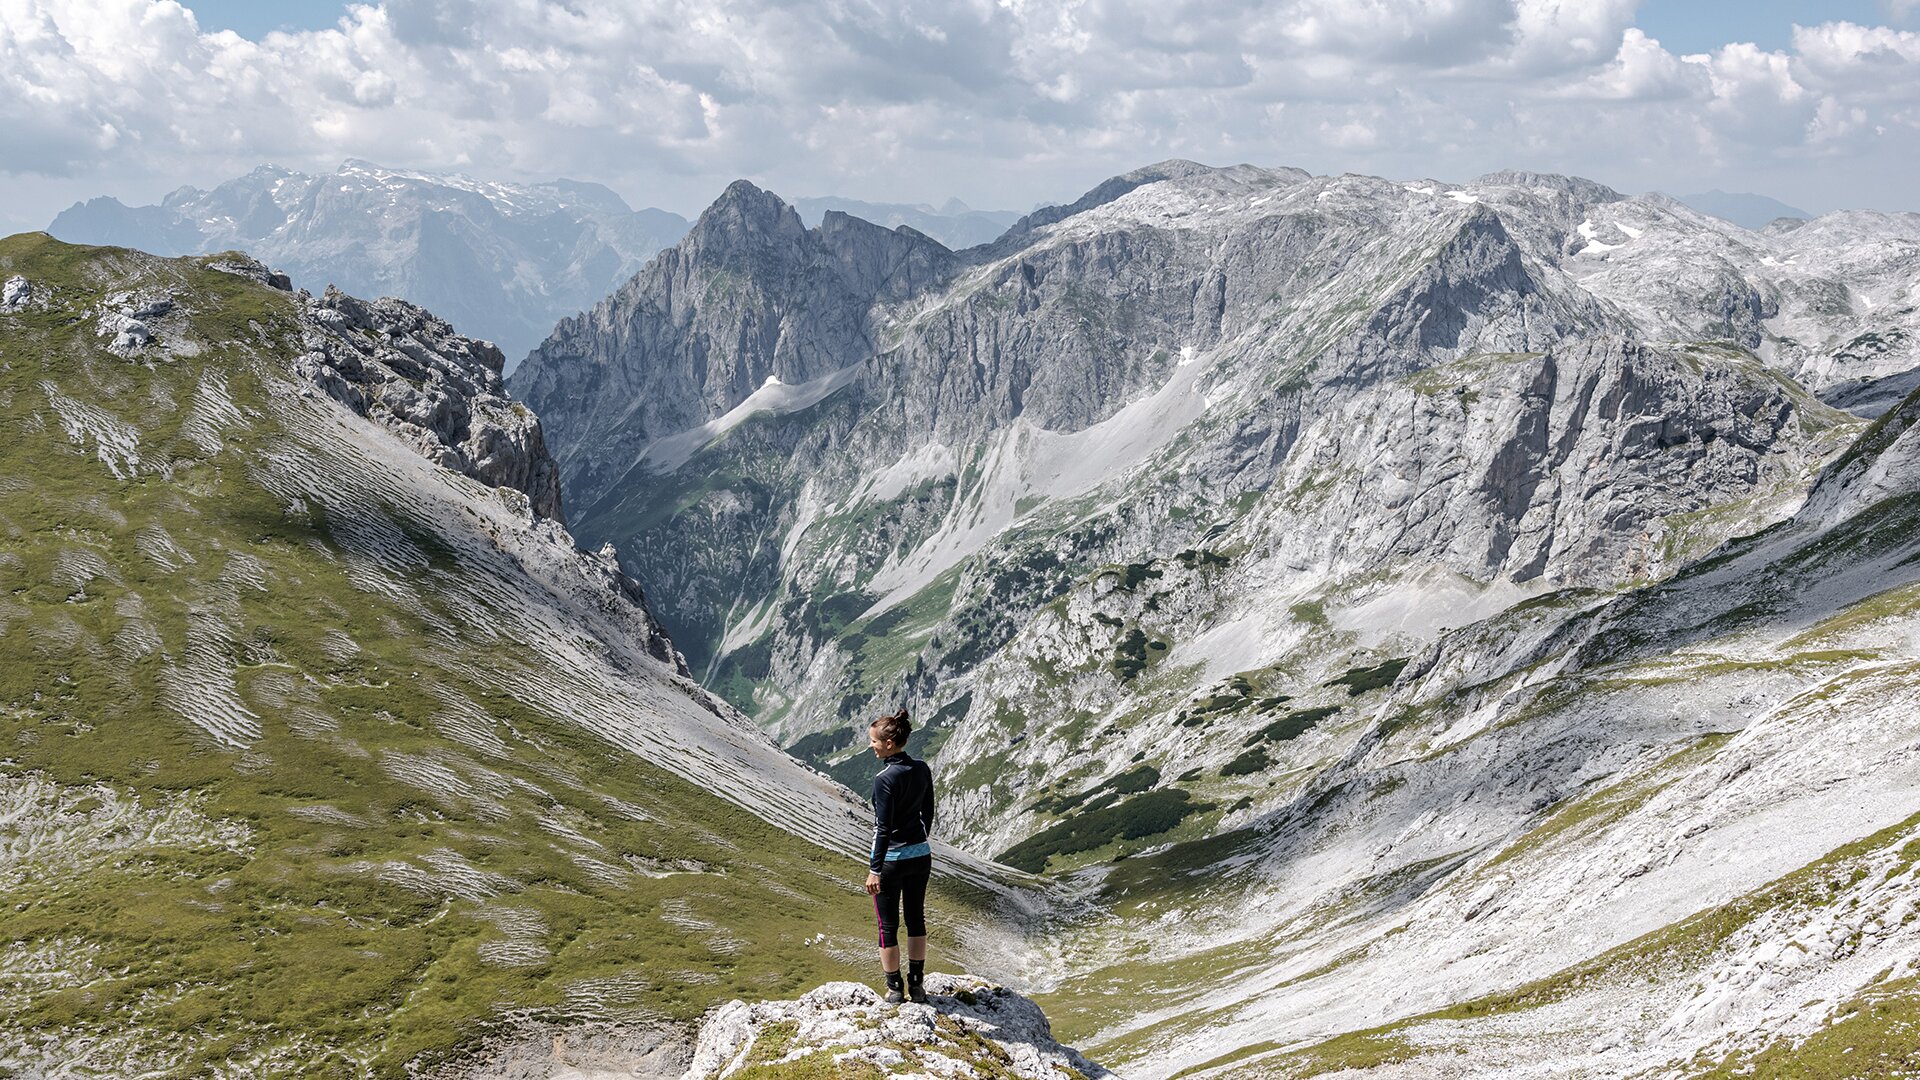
<point x="461" y="855"/>
<point x="1878" y="1026"/>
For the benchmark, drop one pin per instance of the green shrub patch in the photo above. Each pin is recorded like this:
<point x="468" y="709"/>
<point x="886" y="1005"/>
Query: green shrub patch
<point x="1130" y="654"/>
<point x="1292" y="726"/>
<point x="1141" y="816"/>
<point x="1362" y="679"/>
<point x="1252" y="761"/>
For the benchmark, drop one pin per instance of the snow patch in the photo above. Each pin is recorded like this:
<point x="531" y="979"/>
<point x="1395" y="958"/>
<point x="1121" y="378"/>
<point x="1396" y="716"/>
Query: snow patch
<point x="666" y="454"/>
<point x="1587" y="232"/>
<point x="1025" y="460"/>
<point x="1424" y="605"/>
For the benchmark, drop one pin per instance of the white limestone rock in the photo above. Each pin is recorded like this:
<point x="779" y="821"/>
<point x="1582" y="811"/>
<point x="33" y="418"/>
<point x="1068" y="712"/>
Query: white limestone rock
<point x="968" y="1027"/>
<point x="128" y="333"/>
<point x="1359" y="381"/>
<point x="15" y="293"/>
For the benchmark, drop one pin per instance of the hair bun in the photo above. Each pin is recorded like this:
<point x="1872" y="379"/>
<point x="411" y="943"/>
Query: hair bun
<point x="895" y="727"/>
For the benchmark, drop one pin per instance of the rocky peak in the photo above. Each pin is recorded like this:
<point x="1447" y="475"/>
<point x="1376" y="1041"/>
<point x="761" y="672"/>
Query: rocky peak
<point x="884" y="263"/>
<point x="746" y="215"/>
<point x="1478" y="291"/>
<point x="401" y="365"/>
<point x="1578" y="187"/>
<point x="1108" y="190"/>
<point x="749" y="299"/>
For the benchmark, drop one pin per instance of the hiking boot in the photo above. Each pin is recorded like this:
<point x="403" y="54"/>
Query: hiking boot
<point x="893" y="996"/>
<point x="916" y="991"/>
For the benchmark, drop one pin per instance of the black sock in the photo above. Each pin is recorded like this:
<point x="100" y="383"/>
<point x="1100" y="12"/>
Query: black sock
<point x="917" y="969"/>
<point x="893" y="980"/>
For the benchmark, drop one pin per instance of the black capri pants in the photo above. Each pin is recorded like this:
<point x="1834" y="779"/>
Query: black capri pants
<point x="903" y="880"/>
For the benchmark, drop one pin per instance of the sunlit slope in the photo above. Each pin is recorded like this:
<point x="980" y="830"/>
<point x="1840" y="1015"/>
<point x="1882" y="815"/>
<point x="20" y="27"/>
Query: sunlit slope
<point x="316" y="756"/>
<point x="1674" y="829"/>
<point x="1107" y="501"/>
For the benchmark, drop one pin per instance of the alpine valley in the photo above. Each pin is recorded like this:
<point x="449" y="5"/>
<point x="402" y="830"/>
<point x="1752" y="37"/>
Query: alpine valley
<point x="1441" y="630"/>
<point x="1359" y="627"/>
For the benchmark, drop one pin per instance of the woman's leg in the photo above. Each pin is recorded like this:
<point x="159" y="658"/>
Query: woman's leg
<point x="914" y="874"/>
<point x="913" y="890"/>
<point x="886" y="912"/>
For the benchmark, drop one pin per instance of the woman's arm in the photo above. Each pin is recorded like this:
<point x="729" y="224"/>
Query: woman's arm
<point x="882" y="815"/>
<point x="926" y="805"/>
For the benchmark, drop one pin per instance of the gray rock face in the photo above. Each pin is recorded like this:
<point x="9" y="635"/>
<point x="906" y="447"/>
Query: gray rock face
<point x="501" y="261"/>
<point x="400" y="364"/>
<point x="749" y="294"/>
<point x="1330" y="414"/>
<point x="127" y="332"/>
<point x="1883" y="464"/>
<point x="248" y="267"/>
<point x="1517" y="466"/>
<point x="1832" y="303"/>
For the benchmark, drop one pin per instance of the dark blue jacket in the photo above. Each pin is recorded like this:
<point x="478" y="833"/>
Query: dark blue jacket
<point x="902" y="806"/>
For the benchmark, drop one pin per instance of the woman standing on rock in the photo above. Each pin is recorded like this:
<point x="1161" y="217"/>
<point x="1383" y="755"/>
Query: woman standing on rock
<point x="902" y="859"/>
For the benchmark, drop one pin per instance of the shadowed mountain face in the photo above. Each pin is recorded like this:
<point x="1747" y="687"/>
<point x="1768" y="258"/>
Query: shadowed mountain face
<point x="501" y="261"/>
<point x="1340" y="581"/>
<point x="323" y="742"/>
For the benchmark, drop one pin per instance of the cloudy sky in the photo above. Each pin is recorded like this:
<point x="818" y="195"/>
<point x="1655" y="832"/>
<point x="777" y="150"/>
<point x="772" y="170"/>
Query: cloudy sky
<point x="1002" y="103"/>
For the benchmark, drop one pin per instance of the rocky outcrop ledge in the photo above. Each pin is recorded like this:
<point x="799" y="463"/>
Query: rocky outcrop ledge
<point x="406" y="368"/>
<point x="970" y="1029"/>
<point x="403" y="366"/>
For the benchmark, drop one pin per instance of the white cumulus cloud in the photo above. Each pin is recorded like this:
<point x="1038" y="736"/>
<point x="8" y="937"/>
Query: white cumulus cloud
<point x="1003" y="102"/>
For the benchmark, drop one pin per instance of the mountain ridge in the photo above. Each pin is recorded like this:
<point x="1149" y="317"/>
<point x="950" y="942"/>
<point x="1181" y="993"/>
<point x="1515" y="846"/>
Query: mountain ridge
<point x="503" y="261"/>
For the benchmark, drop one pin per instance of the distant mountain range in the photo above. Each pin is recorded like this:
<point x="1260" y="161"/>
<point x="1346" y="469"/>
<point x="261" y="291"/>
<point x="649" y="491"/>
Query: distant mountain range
<point x="953" y="223"/>
<point x="501" y="261"/>
<point x="1743" y="208"/>
<point x="504" y="262"/>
